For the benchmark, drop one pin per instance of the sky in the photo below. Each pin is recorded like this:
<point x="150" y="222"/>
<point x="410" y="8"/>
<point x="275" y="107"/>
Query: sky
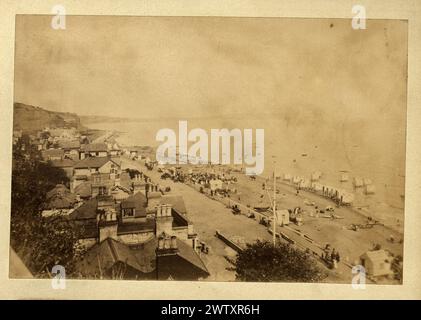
<point x="155" y="67"/>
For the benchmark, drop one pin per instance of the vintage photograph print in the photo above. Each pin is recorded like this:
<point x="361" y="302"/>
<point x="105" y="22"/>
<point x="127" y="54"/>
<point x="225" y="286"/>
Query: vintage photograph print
<point x="209" y="149"/>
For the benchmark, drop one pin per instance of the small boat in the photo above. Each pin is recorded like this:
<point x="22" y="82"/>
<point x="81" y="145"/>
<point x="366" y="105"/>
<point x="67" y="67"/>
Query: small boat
<point x="344" y="177"/>
<point x="261" y="209"/>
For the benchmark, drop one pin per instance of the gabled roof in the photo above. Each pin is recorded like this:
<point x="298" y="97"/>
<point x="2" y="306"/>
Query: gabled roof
<point x="65" y="163"/>
<point x="102" y="257"/>
<point x="58" y="189"/>
<point x="85" y="211"/>
<point x="52" y="153"/>
<point x="187" y="253"/>
<point x="95" y="147"/>
<point x="66" y="145"/>
<point x="377" y="255"/>
<point x="60" y="198"/>
<point x="137" y="201"/>
<point x="83" y="189"/>
<point x="122" y="188"/>
<point x="93" y="162"/>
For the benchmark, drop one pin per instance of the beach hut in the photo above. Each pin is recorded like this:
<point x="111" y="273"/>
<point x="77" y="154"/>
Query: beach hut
<point x="305" y="184"/>
<point x="376" y="263"/>
<point x="370" y="189"/>
<point x="296" y="179"/>
<point x="346" y="198"/>
<point x="287" y="177"/>
<point x="282" y="217"/>
<point x="367" y="181"/>
<point x="344" y="177"/>
<point x="317" y="186"/>
<point x="358" y="182"/>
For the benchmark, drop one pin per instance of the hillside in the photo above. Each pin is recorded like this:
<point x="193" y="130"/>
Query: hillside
<point x="29" y="118"/>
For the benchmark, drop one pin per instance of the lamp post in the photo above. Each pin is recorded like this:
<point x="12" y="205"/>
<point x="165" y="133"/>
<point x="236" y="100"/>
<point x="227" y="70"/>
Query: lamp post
<point x="274" y="204"/>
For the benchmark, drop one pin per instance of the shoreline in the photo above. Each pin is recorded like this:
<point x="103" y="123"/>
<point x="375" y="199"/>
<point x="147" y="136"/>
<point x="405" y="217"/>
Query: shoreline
<point x="395" y="213"/>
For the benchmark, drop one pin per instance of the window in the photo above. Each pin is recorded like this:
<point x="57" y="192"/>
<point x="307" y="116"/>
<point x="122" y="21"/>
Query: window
<point x="102" y="191"/>
<point x="128" y="212"/>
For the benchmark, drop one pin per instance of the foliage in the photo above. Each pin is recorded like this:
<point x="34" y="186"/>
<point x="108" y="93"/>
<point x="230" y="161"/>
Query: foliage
<point x="262" y="261"/>
<point x="41" y="242"/>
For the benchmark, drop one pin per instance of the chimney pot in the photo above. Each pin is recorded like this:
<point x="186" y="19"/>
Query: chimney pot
<point x="173" y="242"/>
<point x="161" y="243"/>
<point x="167" y="243"/>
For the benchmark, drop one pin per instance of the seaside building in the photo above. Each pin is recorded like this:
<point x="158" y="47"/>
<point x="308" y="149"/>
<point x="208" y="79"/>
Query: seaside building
<point x="93" y="150"/>
<point x="136" y="234"/>
<point x="131" y="221"/>
<point x="92" y="165"/>
<point x="71" y="149"/>
<point x="377" y="263"/>
<point x="52" y="154"/>
<point x="66" y="165"/>
<point x="60" y="201"/>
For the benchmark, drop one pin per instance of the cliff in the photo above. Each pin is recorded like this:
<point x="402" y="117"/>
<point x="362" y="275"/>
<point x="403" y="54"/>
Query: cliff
<point x="30" y="118"/>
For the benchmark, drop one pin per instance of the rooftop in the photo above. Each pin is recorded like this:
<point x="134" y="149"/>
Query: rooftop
<point x="65" y="163"/>
<point x="85" y="211"/>
<point x="93" y="162"/>
<point x="137" y="201"/>
<point x="75" y="144"/>
<point x="95" y="147"/>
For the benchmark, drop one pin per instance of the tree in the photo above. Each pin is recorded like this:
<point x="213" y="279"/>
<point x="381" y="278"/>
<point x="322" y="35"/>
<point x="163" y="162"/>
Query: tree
<point x="261" y="261"/>
<point x="40" y="242"/>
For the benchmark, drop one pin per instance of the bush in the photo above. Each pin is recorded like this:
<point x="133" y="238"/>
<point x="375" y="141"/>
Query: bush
<point x="262" y="261"/>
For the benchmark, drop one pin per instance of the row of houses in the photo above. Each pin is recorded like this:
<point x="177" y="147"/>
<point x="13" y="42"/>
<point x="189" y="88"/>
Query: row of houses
<point x="129" y="228"/>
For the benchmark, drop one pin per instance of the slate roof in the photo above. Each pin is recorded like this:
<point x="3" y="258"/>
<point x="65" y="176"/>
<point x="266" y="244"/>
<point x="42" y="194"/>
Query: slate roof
<point x="95" y="147"/>
<point x="85" y="211"/>
<point x="65" y="163"/>
<point x="93" y="162"/>
<point x="67" y="145"/>
<point x="137" y="201"/>
<point x="187" y="253"/>
<point x="83" y="189"/>
<point x="134" y="227"/>
<point x="103" y="256"/>
<point x="52" y="153"/>
<point x="60" y="198"/>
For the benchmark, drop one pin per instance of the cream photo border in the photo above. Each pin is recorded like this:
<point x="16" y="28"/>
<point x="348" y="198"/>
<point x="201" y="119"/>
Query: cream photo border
<point x="112" y="289"/>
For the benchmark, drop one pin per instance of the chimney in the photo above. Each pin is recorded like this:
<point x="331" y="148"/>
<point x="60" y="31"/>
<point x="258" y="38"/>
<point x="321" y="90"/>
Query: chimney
<point x="160" y="243"/>
<point x="167" y="243"/>
<point x="164" y="219"/>
<point x="173" y="242"/>
<point x="159" y="211"/>
<point x="168" y="210"/>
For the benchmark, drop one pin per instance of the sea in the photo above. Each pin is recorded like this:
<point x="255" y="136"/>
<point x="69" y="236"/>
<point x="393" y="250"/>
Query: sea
<point x="357" y="149"/>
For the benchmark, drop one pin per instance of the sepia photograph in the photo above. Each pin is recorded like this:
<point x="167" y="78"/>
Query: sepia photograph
<point x="227" y="149"/>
